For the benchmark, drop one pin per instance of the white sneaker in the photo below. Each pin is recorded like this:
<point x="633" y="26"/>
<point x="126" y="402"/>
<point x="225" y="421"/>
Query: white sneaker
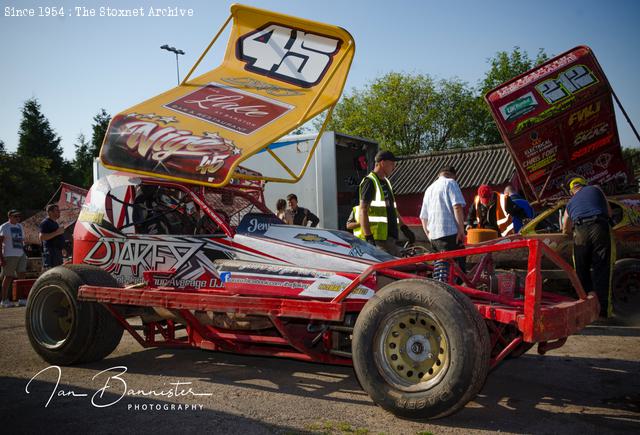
<point x="22" y="302"/>
<point x="6" y="304"/>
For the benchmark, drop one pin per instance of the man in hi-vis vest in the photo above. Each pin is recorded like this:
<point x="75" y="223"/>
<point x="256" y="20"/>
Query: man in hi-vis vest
<point x="493" y="210"/>
<point x="377" y="213"/>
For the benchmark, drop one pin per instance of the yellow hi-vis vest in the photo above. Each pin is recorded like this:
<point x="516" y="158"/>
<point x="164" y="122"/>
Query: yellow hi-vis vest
<point x="378" y="222"/>
<point x="503" y="219"/>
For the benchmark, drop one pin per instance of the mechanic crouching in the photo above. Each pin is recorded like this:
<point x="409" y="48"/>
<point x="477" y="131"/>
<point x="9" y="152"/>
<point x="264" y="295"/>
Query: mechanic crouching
<point x="588" y="213"/>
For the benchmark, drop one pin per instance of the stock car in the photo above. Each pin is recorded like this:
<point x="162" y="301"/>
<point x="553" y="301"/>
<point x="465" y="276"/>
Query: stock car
<point x="185" y="254"/>
<point x="213" y="268"/>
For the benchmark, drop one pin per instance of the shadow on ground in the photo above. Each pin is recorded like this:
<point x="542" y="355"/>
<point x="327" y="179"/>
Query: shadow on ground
<point x="71" y="411"/>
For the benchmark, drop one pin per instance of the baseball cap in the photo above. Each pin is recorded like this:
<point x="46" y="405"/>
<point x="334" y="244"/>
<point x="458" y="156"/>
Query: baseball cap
<point x="14" y="212"/>
<point x="484" y="192"/>
<point x="577" y="181"/>
<point x="386" y="155"/>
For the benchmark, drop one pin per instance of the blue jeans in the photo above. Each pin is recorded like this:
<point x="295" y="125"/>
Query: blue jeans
<point x="52" y="258"/>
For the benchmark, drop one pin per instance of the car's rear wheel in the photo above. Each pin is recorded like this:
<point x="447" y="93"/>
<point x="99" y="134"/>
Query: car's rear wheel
<point x="626" y="288"/>
<point x="64" y="330"/>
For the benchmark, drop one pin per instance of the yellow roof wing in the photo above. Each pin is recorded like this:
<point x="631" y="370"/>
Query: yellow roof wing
<point x="278" y="72"/>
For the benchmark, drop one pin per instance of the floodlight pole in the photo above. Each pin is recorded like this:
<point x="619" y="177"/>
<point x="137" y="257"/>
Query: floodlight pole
<point x="177" y="52"/>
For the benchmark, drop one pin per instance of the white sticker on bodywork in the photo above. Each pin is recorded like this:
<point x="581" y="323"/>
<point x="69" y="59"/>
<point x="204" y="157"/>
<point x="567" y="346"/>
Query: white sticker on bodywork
<point x="330" y="288"/>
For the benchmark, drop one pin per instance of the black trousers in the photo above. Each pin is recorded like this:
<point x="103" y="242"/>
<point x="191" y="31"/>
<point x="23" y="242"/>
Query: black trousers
<point x="450" y="243"/>
<point x="592" y="249"/>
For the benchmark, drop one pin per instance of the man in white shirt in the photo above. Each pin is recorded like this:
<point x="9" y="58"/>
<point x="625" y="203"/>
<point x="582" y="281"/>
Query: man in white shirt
<point x="442" y="213"/>
<point x="12" y="257"/>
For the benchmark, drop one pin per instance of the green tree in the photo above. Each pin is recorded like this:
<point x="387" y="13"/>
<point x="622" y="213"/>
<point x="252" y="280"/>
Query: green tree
<point x="83" y="162"/>
<point x="37" y="138"/>
<point x="26" y="183"/>
<point x="100" y="125"/>
<point x="406" y="113"/>
<point x="632" y="157"/>
<point x="416" y="113"/>
<point x="503" y="67"/>
<point x="86" y="151"/>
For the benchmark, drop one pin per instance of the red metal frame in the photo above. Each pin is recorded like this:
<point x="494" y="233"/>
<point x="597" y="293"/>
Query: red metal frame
<point x="539" y="317"/>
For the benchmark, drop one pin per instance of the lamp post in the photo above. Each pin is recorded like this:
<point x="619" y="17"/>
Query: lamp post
<point x="177" y="52"/>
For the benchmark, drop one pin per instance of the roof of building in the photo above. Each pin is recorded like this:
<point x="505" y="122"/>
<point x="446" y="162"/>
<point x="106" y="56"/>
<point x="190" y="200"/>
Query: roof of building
<point x="490" y="164"/>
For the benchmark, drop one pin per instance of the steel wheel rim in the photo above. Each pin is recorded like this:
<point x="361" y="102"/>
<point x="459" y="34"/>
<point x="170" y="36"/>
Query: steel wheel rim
<point x="53" y="318"/>
<point x="412" y="349"/>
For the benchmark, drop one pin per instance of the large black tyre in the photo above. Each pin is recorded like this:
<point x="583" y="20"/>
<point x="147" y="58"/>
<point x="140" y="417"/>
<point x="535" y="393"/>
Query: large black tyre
<point x="626" y="289"/>
<point x="420" y="349"/>
<point x="63" y="330"/>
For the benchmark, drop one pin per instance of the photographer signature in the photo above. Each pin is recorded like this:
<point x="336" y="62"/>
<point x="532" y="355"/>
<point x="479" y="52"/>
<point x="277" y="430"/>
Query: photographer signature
<point x="113" y="383"/>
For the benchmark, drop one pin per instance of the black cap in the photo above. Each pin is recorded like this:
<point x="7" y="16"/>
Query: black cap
<point x="449" y="169"/>
<point x="14" y="212"/>
<point x="386" y="155"/>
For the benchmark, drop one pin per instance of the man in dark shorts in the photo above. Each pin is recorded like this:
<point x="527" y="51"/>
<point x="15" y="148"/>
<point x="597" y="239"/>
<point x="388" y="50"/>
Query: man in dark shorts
<point x="52" y="238"/>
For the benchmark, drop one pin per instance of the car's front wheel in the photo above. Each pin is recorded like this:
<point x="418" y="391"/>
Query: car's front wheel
<point x="420" y="349"/>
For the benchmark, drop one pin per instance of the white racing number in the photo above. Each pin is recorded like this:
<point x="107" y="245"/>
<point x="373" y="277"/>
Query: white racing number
<point x="288" y="54"/>
<point x="569" y="82"/>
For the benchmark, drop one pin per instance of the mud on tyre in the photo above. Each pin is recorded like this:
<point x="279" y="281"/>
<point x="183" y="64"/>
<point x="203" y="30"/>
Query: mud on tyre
<point x="420" y="349"/>
<point x="63" y="330"/>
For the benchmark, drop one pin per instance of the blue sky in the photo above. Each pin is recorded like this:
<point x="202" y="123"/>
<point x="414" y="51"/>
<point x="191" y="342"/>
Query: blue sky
<point x="77" y="65"/>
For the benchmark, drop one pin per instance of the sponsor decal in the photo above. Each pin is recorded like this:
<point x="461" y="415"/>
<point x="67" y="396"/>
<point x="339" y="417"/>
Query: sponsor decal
<point x="603" y="160"/>
<point x="286" y="54"/>
<point x="160" y="144"/>
<point x="257" y="226"/>
<point x="314" y="238"/>
<point x="592" y="147"/>
<point x="257" y="223"/>
<point x="267" y="281"/>
<point x="275" y="90"/>
<point x="539" y="73"/>
<point x="270" y="269"/>
<point x="356" y="251"/>
<point x="550" y="112"/>
<point x="519" y="107"/>
<point x="180" y="283"/>
<point x="541" y="154"/>
<point x="585" y="114"/>
<point x="94" y="217"/>
<point x="112" y="254"/>
<point x="593" y="132"/>
<point x="330" y="288"/>
<point x="534" y="176"/>
<point x="541" y="163"/>
<point x="229" y="108"/>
